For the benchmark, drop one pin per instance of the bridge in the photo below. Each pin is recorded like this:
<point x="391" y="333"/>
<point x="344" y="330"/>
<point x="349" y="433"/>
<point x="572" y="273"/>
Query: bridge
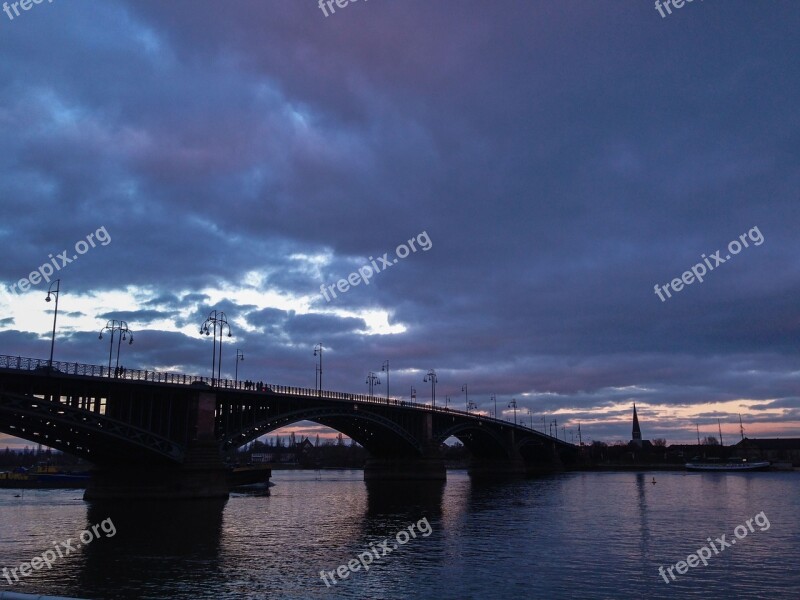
<point x="152" y="434"/>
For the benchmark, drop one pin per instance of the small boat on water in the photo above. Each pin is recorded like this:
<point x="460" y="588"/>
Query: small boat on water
<point x="42" y="476"/>
<point x="729" y="464"/>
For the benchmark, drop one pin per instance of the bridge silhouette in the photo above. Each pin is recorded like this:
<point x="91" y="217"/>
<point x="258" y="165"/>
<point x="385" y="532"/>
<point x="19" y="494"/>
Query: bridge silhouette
<point x="152" y="434"/>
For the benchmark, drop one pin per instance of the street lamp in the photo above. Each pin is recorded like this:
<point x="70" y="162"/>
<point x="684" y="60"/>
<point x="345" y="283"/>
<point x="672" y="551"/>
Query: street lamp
<point x="431" y="376"/>
<point x="513" y="404"/>
<point x="115" y="326"/>
<point x="472" y="406"/>
<point x="318" y="352"/>
<point x="466" y="396"/>
<point x="372" y="381"/>
<point x="54" y="292"/>
<point x="494" y="397"/>
<point x="413" y="395"/>
<point x="530" y="414"/>
<point x="446" y="402"/>
<point x="239" y="357"/>
<point x="216" y="319"/>
<point x="385" y="367"/>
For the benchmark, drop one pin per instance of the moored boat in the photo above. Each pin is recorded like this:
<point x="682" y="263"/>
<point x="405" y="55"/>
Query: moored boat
<point x="729" y="464"/>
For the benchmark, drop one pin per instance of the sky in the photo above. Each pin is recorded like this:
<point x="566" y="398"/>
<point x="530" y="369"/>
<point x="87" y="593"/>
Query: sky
<point x="561" y="168"/>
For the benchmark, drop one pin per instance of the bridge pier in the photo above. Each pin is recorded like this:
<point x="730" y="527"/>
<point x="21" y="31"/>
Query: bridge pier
<point x="201" y="475"/>
<point x="429" y="466"/>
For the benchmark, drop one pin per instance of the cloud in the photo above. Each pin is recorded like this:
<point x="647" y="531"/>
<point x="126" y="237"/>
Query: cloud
<point x="241" y="158"/>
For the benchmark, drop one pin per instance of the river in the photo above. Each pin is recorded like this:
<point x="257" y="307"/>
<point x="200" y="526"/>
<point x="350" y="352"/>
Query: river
<point x="572" y="535"/>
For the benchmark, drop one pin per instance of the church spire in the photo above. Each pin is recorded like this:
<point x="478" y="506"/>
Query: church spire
<point x="637" y="433"/>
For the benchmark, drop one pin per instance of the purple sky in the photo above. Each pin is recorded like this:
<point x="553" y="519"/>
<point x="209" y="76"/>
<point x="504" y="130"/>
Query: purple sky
<point x="562" y="158"/>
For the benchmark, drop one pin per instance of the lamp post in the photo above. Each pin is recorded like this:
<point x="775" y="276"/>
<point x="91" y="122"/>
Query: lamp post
<point x="55" y="292"/>
<point x="216" y="319"/>
<point x="446" y="402"/>
<point x="472" y="406"/>
<point x="372" y="381"/>
<point x="385" y="367"/>
<point x="120" y="327"/>
<point x="530" y="414"/>
<point x="413" y="395"/>
<point x="239" y="357"/>
<point x="494" y="397"/>
<point x="318" y="352"/>
<point x="466" y="396"/>
<point x="513" y="404"/>
<point x="431" y="376"/>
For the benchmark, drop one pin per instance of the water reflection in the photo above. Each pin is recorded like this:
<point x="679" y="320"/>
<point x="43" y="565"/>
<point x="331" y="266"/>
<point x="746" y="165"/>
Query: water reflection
<point x="154" y="544"/>
<point x="415" y="497"/>
<point x="642" y="484"/>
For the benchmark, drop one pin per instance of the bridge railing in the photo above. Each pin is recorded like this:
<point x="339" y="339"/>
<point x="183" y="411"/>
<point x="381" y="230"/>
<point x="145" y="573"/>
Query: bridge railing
<point x="74" y="368"/>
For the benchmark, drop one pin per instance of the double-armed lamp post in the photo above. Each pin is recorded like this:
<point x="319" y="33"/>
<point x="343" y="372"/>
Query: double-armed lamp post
<point x="372" y="381"/>
<point x="513" y="404"/>
<point x="121" y="330"/>
<point x="216" y="321"/>
<point x="431" y="376"/>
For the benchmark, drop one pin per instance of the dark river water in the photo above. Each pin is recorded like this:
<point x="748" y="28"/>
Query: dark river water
<point x="577" y="535"/>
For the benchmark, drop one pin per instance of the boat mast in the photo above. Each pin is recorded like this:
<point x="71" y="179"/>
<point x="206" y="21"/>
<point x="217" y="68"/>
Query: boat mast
<point x="698" y="433"/>
<point x="720" y="432"/>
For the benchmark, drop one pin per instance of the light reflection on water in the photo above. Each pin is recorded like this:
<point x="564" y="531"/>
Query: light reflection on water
<point x="579" y="535"/>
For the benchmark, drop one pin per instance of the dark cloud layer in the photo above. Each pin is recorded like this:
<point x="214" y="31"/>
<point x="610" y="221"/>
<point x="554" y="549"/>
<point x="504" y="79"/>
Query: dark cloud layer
<point x="563" y="159"/>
